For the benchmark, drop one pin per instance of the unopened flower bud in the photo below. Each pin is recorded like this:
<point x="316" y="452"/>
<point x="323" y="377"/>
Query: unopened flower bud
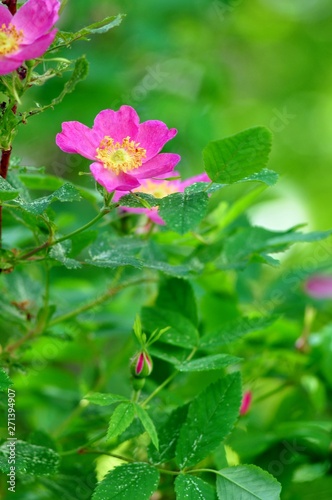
<point x="141" y="365"/>
<point x="246" y="402"/>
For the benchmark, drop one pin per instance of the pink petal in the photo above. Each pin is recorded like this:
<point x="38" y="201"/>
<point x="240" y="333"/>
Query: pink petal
<point x="36" y="17"/>
<point x="111" y="181"/>
<point x="319" y="287"/>
<point x="5" y="15"/>
<point x="117" y="124"/>
<point x="7" y="65"/>
<point x="246" y="402"/>
<point x="77" y="138"/>
<point x="153" y="135"/>
<point x="159" y="165"/>
<point x="37" y="48"/>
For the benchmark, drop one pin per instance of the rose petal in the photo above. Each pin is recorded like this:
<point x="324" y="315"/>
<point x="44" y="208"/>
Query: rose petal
<point x="159" y="165"/>
<point x="117" y="124"/>
<point x="7" y="65"/>
<point x="153" y="135"/>
<point x="37" y="48"/>
<point x="5" y="15"/>
<point x="77" y="138"/>
<point x="111" y="181"/>
<point x="319" y="287"/>
<point x="35" y="18"/>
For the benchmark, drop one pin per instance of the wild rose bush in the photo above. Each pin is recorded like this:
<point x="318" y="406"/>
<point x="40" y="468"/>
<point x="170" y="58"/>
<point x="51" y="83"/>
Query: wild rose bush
<point x="142" y="359"/>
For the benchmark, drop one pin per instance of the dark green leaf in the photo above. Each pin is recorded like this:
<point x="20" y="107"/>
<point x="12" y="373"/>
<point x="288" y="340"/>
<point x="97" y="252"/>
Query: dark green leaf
<point x="121" y="418"/>
<point x="182" y="332"/>
<point x="147" y="424"/>
<point x="168" y="435"/>
<point x="177" y="295"/>
<point x="67" y="192"/>
<point x="98" y="398"/>
<point x="239" y="156"/>
<point x="182" y="212"/>
<point x="29" y="458"/>
<point x="5" y="381"/>
<point x="247" y="482"/>
<point x="214" y="362"/>
<point x="235" y="330"/>
<point x="7" y="192"/>
<point x="211" y="417"/>
<point x="131" y="481"/>
<point x="193" y="488"/>
<point x="138" y="200"/>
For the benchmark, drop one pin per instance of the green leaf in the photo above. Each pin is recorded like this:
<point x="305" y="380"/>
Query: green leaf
<point x="239" y="156"/>
<point x="5" y="381"/>
<point x="182" y="332"/>
<point x="121" y="418"/>
<point x="114" y="258"/>
<point x="234" y="330"/>
<point x="147" y="424"/>
<point x="101" y="399"/>
<point x="182" y="212"/>
<point x="267" y="176"/>
<point x="138" y="200"/>
<point x="168" y="434"/>
<point x="247" y="482"/>
<point x="67" y="192"/>
<point x="136" y="480"/>
<point x="211" y="417"/>
<point x="7" y="192"/>
<point x="79" y="73"/>
<point x="179" y="296"/>
<point x="63" y="38"/>
<point x="29" y="459"/>
<point x="59" y="252"/>
<point x="193" y="488"/>
<point x="214" y="362"/>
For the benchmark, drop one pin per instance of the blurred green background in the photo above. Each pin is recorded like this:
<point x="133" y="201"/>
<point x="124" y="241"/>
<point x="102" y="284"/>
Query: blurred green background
<point x="210" y="68"/>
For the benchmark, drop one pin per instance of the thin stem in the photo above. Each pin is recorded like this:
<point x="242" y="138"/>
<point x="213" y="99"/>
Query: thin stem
<point x="99" y="300"/>
<point x="167" y="381"/>
<point x="50" y="243"/>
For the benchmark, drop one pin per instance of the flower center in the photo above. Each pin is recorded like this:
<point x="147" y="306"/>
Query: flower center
<point x="158" y="189"/>
<point x="10" y="39"/>
<point x="120" y="157"/>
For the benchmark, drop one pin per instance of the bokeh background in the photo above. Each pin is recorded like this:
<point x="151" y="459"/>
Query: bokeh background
<point x="210" y="68"/>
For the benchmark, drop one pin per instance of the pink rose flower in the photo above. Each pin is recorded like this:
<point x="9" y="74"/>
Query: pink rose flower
<point x="26" y="34"/>
<point x="159" y="188"/>
<point x="124" y="151"/>
<point x="319" y="287"/>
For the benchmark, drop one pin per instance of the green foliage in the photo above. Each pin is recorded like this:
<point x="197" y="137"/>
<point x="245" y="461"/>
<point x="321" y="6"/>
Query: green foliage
<point x="29" y="459"/>
<point x="234" y="158"/>
<point x="182" y="212"/>
<point x="247" y="482"/>
<point x="5" y="381"/>
<point x="127" y="482"/>
<point x="194" y="488"/>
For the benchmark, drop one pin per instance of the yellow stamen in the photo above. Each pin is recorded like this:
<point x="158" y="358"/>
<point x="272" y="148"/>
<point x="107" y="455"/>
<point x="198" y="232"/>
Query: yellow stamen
<point x="120" y="157"/>
<point x="10" y="39"/>
<point x="157" y="189"/>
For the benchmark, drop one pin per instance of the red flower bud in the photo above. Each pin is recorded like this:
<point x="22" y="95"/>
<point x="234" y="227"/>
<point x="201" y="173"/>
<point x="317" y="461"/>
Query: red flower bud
<point x="141" y="365"/>
<point x="246" y="402"/>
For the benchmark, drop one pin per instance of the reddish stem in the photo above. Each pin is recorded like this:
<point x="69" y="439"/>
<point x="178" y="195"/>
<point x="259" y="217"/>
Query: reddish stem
<point x="11" y="4"/>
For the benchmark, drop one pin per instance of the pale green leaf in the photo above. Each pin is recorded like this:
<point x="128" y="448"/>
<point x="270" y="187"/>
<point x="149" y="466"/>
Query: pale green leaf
<point x="29" y="459"/>
<point x="7" y="191"/>
<point x="239" y="156"/>
<point x="247" y="482"/>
